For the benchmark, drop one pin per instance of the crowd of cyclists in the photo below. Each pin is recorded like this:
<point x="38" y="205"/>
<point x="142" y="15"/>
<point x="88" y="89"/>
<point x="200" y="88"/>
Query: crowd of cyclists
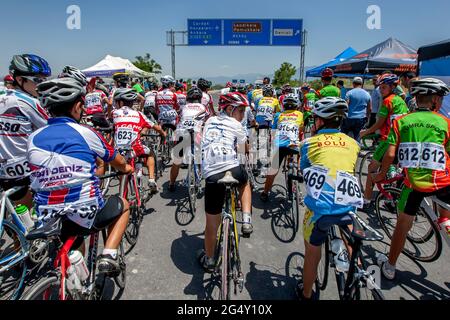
<point x="45" y="148"/>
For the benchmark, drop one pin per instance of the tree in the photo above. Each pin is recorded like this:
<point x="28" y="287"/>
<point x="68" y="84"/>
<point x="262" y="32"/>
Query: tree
<point x="147" y="64"/>
<point x="284" y="74"/>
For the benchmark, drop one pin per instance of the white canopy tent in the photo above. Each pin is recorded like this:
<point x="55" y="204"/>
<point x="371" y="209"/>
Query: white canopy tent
<point x="111" y="65"/>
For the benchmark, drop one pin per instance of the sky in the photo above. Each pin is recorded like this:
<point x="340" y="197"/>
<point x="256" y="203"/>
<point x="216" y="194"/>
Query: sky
<point x="132" y="28"/>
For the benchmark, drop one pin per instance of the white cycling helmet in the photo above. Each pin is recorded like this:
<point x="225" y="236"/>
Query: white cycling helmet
<point x="167" y="81"/>
<point x="330" y="107"/>
<point x="429" y="86"/>
<point x="125" y="94"/>
<point x="72" y="72"/>
<point x="60" y="91"/>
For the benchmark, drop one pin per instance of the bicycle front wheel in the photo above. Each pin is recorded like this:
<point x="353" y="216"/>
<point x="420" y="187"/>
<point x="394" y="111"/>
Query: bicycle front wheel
<point x="225" y="281"/>
<point x="48" y="288"/>
<point x="192" y="189"/>
<point x="363" y="171"/>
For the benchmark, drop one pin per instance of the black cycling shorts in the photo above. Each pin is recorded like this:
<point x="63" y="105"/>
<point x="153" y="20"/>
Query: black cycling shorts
<point x="99" y="121"/>
<point x="215" y="192"/>
<point x="410" y="199"/>
<point x="12" y="183"/>
<point x="111" y="212"/>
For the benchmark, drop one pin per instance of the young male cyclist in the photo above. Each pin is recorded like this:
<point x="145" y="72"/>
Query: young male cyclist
<point x="223" y="141"/>
<point x="422" y="140"/>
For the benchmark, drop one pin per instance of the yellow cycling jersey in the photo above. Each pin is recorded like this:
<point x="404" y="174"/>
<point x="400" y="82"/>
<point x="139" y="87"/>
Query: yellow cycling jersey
<point x="288" y="125"/>
<point x="256" y="95"/>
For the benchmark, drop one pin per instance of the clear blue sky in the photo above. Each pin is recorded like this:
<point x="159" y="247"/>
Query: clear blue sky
<point x="131" y="28"/>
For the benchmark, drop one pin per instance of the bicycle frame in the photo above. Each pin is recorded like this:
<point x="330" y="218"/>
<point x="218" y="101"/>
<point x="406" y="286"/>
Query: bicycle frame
<point x="129" y="183"/>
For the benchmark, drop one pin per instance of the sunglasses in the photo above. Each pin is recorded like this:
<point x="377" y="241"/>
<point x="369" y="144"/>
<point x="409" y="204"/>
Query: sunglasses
<point x="36" y="80"/>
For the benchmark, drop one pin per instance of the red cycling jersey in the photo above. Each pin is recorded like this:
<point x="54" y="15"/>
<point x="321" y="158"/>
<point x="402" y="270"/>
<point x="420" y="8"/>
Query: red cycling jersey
<point x="167" y="107"/>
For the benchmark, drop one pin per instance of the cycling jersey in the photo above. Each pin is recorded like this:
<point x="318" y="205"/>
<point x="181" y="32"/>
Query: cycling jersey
<point x="248" y="119"/>
<point x="288" y="125"/>
<point x="257" y="94"/>
<point x="393" y="106"/>
<point x="63" y="157"/>
<point x="189" y="117"/>
<point x="330" y="91"/>
<point x="20" y="116"/>
<point x="422" y="139"/>
<point x="265" y="110"/>
<point x="310" y="100"/>
<point x="128" y="125"/>
<point x="94" y="102"/>
<point x="167" y="107"/>
<point x="328" y="164"/>
<point x="221" y="136"/>
<point x="150" y="99"/>
<point x="208" y="102"/>
<point x="181" y="99"/>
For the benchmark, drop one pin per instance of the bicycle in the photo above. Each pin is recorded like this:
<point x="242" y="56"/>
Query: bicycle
<point x="357" y="283"/>
<point x="168" y="143"/>
<point x="54" y="285"/>
<point x="368" y="146"/>
<point x="194" y="177"/>
<point x="15" y="250"/>
<point x="153" y="141"/>
<point x="227" y="250"/>
<point x="425" y="227"/>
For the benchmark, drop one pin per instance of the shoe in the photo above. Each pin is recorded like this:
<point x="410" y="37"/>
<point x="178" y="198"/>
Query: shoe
<point x="153" y="186"/>
<point x="264" y="197"/>
<point x="108" y="265"/>
<point x="299" y="292"/>
<point x="387" y="269"/>
<point x="369" y="208"/>
<point x="206" y="263"/>
<point x="247" y="227"/>
<point x="172" y="188"/>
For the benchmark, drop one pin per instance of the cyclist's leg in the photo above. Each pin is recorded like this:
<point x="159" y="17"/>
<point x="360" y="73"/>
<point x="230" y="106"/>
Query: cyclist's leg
<point x="278" y="158"/>
<point x="444" y="196"/>
<point x="177" y="162"/>
<point x="373" y="168"/>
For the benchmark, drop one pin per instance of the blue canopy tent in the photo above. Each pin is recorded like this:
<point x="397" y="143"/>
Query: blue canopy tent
<point x="317" y="71"/>
<point x="434" y="61"/>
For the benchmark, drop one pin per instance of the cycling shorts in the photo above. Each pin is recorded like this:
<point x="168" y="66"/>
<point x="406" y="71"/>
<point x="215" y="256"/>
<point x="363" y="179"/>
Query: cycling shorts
<point x="99" y="120"/>
<point x="215" y="192"/>
<point x="316" y="226"/>
<point x="12" y="183"/>
<point x="410" y="199"/>
<point x="380" y="151"/>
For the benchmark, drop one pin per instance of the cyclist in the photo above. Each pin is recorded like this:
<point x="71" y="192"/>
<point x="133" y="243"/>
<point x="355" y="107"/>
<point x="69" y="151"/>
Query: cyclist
<point x="63" y="157"/>
<point x="393" y="106"/>
<point x="193" y="115"/>
<point x="223" y="139"/>
<point x="180" y="95"/>
<point x="286" y="89"/>
<point x="166" y="103"/>
<point x="268" y="106"/>
<point x="129" y="124"/>
<point x="95" y="101"/>
<point x="330" y="157"/>
<point x="310" y="99"/>
<point x="422" y="140"/>
<point x="289" y="129"/>
<point x="257" y="93"/>
<point x="20" y="115"/>
<point x="328" y="89"/>
<point x="150" y="96"/>
<point x="207" y="99"/>
<point x="8" y="82"/>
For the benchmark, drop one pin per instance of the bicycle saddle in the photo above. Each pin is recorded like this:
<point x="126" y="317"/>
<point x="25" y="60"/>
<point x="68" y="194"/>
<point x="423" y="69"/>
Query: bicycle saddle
<point x="364" y="232"/>
<point x="228" y="179"/>
<point x="50" y="230"/>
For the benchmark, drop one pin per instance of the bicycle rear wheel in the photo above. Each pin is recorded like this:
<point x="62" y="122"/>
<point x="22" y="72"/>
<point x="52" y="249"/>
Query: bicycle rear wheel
<point x="192" y="190"/>
<point x="363" y="171"/>
<point x="13" y="253"/>
<point x="424" y="242"/>
<point x="225" y="281"/>
<point x="122" y="277"/>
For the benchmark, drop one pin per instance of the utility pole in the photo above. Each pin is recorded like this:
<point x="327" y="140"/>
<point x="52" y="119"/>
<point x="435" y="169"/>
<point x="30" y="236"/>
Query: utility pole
<point x="171" y="41"/>
<point x="302" y="56"/>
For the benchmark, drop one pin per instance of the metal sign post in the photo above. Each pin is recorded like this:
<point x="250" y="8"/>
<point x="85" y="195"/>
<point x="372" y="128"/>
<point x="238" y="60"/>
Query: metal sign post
<point x="172" y="42"/>
<point x="302" y="56"/>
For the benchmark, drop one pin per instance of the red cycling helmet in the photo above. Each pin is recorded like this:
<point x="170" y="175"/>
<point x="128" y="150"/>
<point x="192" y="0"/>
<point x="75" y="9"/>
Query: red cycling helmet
<point x="327" y="73"/>
<point x="8" y="78"/>
<point x="388" y="78"/>
<point x="229" y="84"/>
<point x="232" y="99"/>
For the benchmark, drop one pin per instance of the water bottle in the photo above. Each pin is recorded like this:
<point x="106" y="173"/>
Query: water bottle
<point x="24" y="216"/>
<point x="392" y="172"/>
<point x="139" y="167"/>
<point x="340" y="255"/>
<point x="77" y="261"/>
<point x="73" y="283"/>
<point x="444" y="224"/>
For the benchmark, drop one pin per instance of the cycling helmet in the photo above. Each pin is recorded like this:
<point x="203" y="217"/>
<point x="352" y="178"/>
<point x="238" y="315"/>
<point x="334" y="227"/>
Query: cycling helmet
<point x="242" y="88"/>
<point x="203" y="84"/>
<point x="267" y="91"/>
<point x="29" y="65"/>
<point x="305" y="87"/>
<point x="330" y="107"/>
<point x="125" y="94"/>
<point x="194" y="94"/>
<point x="8" y="78"/>
<point x="179" y="86"/>
<point x="121" y="77"/>
<point x="388" y="78"/>
<point x="74" y="73"/>
<point x="167" y="81"/>
<point x="287" y="89"/>
<point x="291" y="101"/>
<point x="327" y="73"/>
<point x="429" y="86"/>
<point x="232" y="99"/>
<point x="60" y="91"/>
<point x="259" y="84"/>
<point x="101" y="87"/>
<point x="229" y="84"/>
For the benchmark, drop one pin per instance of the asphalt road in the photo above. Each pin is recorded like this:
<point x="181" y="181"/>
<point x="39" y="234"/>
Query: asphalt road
<point x="163" y="264"/>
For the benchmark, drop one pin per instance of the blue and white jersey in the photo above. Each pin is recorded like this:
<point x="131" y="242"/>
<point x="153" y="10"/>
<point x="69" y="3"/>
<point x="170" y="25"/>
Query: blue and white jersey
<point x="62" y="157"/>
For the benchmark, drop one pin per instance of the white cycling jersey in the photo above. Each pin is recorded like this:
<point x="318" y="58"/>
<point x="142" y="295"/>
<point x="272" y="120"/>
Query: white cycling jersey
<point x="208" y="102"/>
<point x="189" y="117"/>
<point x="150" y="99"/>
<point x="221" y="137"/>
<point x="20" y="116"/>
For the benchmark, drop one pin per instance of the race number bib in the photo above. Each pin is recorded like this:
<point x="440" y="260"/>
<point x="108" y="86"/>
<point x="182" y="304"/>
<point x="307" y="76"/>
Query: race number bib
<point x="15" y="169"/>
<point x="82" y="214"/>
<point x="189" y="124"/>
<point x="348" y="191"/>
<point x="422" y="155"/>
<point x="265" y="111"/>
<point x="315" y="178"/>
<point x="124" y="137"/>
<point x="289" y="130"/>
<point x="219" y="152"/>
<point x="168" y="116"/>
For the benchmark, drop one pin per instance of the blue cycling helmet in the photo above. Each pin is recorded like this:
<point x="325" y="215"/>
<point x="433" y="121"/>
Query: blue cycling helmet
<point x="29" y="65"/>
<point x="388" y="78"/>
